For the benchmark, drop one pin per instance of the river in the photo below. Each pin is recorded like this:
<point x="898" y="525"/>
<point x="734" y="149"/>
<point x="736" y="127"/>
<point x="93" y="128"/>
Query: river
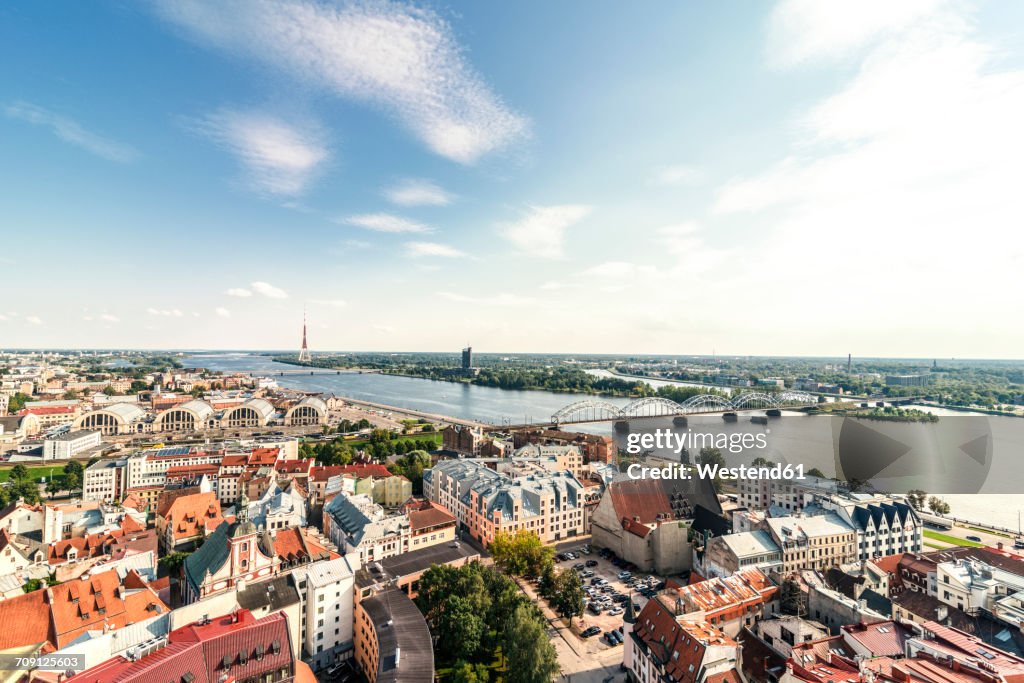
<point x="936" y="463"/>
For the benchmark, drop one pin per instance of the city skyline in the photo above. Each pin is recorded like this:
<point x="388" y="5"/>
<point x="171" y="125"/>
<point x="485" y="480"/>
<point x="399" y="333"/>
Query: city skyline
<point x="682" y="180"/>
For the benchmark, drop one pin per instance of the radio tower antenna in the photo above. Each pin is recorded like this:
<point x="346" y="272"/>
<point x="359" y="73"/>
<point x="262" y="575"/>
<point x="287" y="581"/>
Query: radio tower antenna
<point x="304" y="351"/>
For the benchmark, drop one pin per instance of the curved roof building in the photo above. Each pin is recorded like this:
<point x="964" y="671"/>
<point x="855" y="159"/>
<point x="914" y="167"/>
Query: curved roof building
<point x="116" y="418"/>
<point x="307" y="412"/>
<point x="256" y="412"/>
<point x="185" y="417"/>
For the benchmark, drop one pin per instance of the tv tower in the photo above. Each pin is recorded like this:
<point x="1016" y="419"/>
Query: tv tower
<point x="304" y="351"/>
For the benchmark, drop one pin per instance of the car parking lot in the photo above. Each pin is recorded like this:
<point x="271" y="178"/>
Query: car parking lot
<point x="609" y="588"/>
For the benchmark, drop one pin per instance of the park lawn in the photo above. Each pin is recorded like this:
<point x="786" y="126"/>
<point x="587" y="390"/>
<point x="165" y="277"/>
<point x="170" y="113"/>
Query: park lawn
<point x="34" y="473"/>
<point x="952" y="540"/>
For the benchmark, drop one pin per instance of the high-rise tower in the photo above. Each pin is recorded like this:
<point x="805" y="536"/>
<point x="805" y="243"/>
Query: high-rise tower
<point x="304" y="351"/>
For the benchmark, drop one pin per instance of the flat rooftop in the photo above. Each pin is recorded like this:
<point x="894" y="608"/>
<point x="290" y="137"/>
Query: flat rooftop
<point x="415" y="562"/>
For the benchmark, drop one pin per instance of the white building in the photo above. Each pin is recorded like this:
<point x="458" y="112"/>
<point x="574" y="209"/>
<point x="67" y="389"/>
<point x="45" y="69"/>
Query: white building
<point x="328" y="591"/>
<point x="70" y="444"/>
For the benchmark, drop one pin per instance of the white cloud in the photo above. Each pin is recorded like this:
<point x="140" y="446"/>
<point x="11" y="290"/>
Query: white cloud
<point x="279" y="157"/>
<point x="401" y="58"/>
<point x="223" y="312"/>
<point x="240" y="292"/>
<point x="268" y="290"/>
<point x="164" y="312"/>
<point x="541" y="232"/>
<point x="914" y="156"/>
<point x="34" y="320"/>
<point x="107" y="317"/>
<point x="414" y="192"/>
<point x="3" y="317"/>
<point x="386" y="222"/>
<point x="334" y="303"/>
<point x="71" y="132"/>
<point x="677" y="175"/>
<point x="807" y="31"/>
<point x="503" y="299"/>
<point x="431" y="249"/>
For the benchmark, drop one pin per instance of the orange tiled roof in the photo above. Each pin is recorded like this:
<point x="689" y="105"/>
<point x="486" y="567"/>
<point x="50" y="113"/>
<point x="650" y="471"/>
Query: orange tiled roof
<point x="430" y="516"/>
<point x="32" y="616"/>
<point x="90" y="603"/>
<point x="192" y="515"/>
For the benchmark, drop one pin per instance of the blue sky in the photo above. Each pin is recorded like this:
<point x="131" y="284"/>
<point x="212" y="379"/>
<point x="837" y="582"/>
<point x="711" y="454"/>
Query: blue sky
<point x="676" y="178"/>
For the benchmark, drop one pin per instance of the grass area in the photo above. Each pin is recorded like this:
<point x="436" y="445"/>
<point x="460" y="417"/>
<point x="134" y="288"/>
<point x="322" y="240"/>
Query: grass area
<point x="936" y="546"/>
<point x="444" y="673"/>
<point x="36" y="473"/>
<point x="988" y="531"/>
<point x="951" y="540"/>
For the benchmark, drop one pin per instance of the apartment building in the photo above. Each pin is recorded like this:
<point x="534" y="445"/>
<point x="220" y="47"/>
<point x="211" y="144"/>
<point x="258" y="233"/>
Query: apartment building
<point x="812" y="542"/>
<point x="486" y="503"/>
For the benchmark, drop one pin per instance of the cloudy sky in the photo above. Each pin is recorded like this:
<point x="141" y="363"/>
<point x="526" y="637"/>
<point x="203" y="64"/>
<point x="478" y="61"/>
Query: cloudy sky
<point x="802" y="178"/>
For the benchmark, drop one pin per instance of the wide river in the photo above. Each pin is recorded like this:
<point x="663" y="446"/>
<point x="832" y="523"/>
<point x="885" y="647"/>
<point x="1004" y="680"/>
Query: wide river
<point x="808" y="440"/>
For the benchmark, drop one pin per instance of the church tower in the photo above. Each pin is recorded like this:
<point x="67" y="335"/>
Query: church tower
<point x="304" y="351"/>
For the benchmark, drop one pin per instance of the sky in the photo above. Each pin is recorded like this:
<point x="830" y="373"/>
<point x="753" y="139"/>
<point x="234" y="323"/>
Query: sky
<point x="796" y="178"/>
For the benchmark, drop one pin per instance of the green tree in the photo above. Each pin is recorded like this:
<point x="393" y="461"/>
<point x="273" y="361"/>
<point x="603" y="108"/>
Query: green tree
<point x="460" y="628"/>
<point x="53" y="487"/>
<point x="938" y="506"/>
<point x="713" y="456"/>
<point x="815" y="472"/>
<point x="791" y="597"/>
<point x="74" y="467"/>
<point x="465" y="672"/>
<point x="568" y="598"/>
<point x="17" y="402"/>
<point x="72" y="481"/>
<point x="19" y="473"/>
<point x="521" y="553"/>
<point x="917" y="498"/>
<point x="25" y="489"/>
<point x="529" y="655"/>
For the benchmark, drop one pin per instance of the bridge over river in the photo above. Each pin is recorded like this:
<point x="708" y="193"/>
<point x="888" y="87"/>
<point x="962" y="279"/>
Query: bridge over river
<point x="596" y="410"/>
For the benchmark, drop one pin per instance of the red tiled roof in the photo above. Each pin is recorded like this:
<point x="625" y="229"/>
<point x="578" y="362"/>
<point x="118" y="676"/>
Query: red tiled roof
<point x="882" y="639"/>
<point x="32" y="616"/>
<point x="679" y="646"/>
<point x="193" y="514"/>
<point x="427" y="517"/>
<point x="48" y="410"/>
<point x="91" y="603"/>
<point x="198" y="653"/>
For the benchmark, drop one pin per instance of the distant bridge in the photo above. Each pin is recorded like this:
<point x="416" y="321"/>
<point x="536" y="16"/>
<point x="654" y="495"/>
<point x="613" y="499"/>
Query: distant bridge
<point x="602" y="411"/>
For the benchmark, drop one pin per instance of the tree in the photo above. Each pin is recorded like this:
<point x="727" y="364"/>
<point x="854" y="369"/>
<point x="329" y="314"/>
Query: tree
<point x="72" y="481"/>
<point x="815" y="472"/>
<point x="53" y="487"/>
<point x="792" y="597"/>
<point x="521" y="553"/>
<point x="464" y="672"/>
<point x="548" y="581"/>
<point x="17" y="402"/>
<point x="762" y="462"/>
<point x="19" y="473"/>
<point x="109" y="390"/>
<point x="713" y="456"/>
<point x="938" y="506"/>
<point x="74" y="467"/>
<point x="460" y="628"/>
<point x="568" y="597"/>
<point x="917" y="498"/>
<point x="529" y="655"/>
<point x="27" y="490"/>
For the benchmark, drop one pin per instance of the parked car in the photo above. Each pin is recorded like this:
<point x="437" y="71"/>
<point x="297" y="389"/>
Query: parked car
<point x="579" y="566"/>
<point x="592" y="563"/>
<point x="615" y="611"/>
<point x="624" y="575"/>
<point x="592" y="631"/>
<point x="611" y="640"/>
<point x="594" y="608"/>
<point x="976" y="539"/>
